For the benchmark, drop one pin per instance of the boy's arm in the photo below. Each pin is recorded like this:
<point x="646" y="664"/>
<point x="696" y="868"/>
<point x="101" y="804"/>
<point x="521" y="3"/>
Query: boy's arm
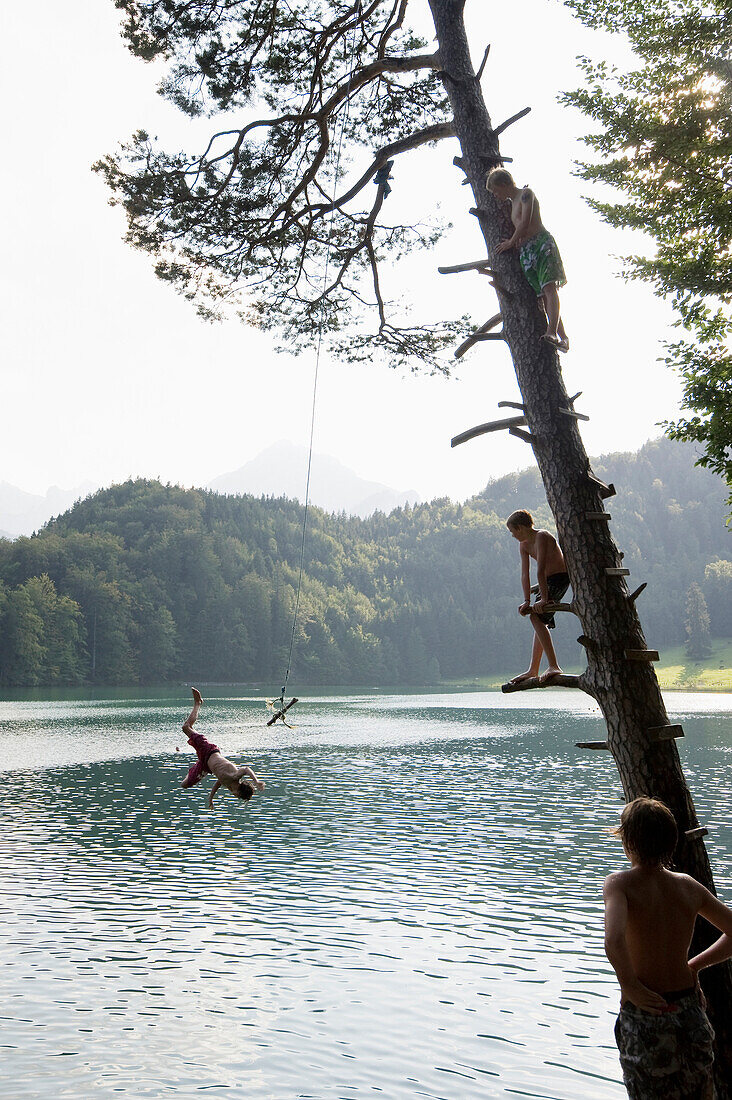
<point x="616" y="949"/>
<point x="542" y="545"/>
<point x="525" y="579"/>
<point x="245" y="772"/>
<point x="720" y="916"/>
<point x="213" y="791"/>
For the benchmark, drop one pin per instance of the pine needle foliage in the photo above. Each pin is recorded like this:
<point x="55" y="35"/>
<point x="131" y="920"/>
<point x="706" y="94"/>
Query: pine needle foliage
<point x="309" y="100"/>
<point x="665" y="144"/>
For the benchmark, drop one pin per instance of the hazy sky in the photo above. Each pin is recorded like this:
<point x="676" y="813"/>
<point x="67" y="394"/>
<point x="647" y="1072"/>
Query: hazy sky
<point x="108" y="373"/>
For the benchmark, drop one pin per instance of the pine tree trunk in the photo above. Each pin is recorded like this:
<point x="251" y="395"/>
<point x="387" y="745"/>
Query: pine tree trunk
<point x="626" y="690"/>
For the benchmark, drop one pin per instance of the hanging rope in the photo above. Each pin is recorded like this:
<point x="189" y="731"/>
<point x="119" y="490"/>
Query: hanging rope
<point x="279" y="704"/>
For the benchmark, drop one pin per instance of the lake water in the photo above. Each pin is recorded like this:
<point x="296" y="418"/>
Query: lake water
<point x="411" y="909"/>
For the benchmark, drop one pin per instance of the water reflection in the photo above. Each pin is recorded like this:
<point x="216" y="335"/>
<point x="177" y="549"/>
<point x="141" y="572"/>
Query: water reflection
<point x="411" y="908"/>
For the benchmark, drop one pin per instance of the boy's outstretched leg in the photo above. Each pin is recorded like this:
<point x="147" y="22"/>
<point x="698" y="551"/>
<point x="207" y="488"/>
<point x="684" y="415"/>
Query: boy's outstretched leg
<point x="197" y="701"/>
<point x="544" y="638"/>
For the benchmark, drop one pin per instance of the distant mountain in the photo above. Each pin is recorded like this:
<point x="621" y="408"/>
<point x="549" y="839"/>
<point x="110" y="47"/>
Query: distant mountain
<point x="281" y="470"/>
<point x="23" y="513"/>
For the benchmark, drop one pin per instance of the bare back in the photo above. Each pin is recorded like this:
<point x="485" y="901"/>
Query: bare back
<point x="662" y="908"/>
<point x="547" y="547"/>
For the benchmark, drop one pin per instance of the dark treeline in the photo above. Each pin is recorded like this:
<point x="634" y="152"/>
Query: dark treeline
<point x="145" y="582"/>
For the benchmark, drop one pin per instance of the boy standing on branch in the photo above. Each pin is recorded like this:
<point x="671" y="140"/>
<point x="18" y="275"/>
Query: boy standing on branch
<point x="553" y="581"/>
<point x="538" y="252"/>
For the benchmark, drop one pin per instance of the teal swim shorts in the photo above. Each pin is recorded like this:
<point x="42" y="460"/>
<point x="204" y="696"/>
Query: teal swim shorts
<point x="541" y="262"/>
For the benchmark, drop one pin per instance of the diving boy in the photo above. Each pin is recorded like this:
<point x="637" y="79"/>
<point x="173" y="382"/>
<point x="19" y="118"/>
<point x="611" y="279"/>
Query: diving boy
<point x="538" y="253"/>
<point x="239" y="781"/>
<point x="662" y="1031"/>
<point x="553" y="581"/>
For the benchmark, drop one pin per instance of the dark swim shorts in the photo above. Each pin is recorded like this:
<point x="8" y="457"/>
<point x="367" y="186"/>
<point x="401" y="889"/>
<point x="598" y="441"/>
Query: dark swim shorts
<point x="204" y="749"/>
<point x="667" y="1057"/>
<point x="556" y="585"/>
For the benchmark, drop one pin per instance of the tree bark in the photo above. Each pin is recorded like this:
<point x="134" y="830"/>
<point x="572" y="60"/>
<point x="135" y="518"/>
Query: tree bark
<point x="626" y="690"/>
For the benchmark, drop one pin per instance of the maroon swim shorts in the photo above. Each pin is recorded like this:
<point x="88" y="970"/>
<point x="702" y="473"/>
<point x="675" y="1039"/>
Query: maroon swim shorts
<point x="204" y="749"/>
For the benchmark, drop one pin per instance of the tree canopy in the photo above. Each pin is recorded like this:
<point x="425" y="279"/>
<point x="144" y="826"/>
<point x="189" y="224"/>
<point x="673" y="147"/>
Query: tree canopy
<point x="312" y="102"/>
<point x="665" y="142"/>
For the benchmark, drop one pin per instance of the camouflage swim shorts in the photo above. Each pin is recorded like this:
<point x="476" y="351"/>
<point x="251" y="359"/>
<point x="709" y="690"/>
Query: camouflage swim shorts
<point x="541" y="262"/>
<point x="666" y="1057"/>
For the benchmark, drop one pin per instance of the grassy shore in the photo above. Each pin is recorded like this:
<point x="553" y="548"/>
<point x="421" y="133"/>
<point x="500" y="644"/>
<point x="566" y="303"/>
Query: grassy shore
<point x="675" y="671"/>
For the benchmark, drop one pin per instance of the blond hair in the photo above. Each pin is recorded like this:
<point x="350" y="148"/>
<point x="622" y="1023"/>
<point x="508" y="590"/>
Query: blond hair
<point x="499" y="177"/>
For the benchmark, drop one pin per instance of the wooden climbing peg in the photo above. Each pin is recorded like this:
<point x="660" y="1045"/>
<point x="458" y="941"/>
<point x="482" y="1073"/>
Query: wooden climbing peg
<point x="642" y="655"/>
<point x="604" y="490"/>
<point x="592" y="745"/>
<point x="605" y="517"/>
<point x="697" y="833"/>
<point x="665" y="733"/>
<point x="616" y="571"/>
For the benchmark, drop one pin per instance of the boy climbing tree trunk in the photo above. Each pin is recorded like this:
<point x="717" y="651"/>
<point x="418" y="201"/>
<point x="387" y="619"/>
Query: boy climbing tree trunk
<point x="262" y="206"/>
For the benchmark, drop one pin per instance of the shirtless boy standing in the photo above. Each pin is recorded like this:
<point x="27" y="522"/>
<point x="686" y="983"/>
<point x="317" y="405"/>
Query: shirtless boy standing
<point x="241" y="782"/>
<point x="662" y="1031"/>
<point x="553" y="580"/>
<point x="538" y="252"/>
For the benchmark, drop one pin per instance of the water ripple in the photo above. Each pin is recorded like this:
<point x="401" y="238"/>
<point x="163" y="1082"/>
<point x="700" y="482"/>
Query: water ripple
<point x="411" y="908"/>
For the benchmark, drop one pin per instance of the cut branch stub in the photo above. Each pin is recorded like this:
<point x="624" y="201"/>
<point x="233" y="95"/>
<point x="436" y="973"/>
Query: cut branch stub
<point x="481" y="67"/>
<point x="472" y="265"/>
<point x="526" y="436"/>
<point x="472" y="339"/>
<point x="483" y="429"/>
<point x="588" y="643"/>
<point x="634" y="595"/>
<point x="665" y="733"/>
<point x="512" y="405"/>
<point x="510" y="121"/>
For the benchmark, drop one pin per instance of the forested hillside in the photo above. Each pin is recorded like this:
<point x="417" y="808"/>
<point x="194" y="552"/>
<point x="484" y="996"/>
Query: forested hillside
<point x="145" y="582"/>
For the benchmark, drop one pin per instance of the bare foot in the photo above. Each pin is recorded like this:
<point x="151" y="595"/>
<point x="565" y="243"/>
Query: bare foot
<point x="563" y="345"/>
<point x="528" y="675"/>
<point x="197" y="696"/>
<point x="551" y="674"/>
<point x="553" y="339"/>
